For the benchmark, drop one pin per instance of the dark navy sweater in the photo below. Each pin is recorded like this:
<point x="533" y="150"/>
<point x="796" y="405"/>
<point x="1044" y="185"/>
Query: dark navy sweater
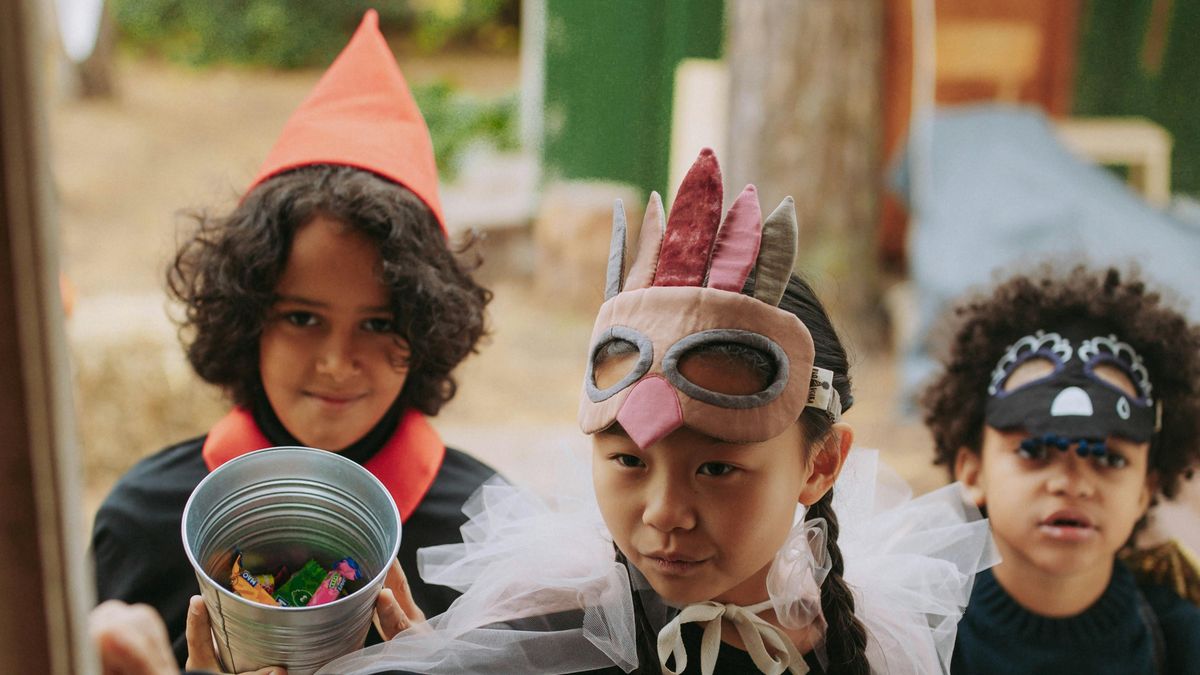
<point x="997" y="635"/>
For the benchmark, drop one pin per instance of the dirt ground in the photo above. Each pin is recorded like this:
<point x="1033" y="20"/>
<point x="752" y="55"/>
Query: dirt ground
<point x="176" y="139"/>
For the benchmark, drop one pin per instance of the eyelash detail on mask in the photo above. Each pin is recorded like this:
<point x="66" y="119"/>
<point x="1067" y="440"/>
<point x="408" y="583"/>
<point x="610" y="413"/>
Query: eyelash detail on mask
<point x="1108" y="462"/>
<point x="1038" y="450"/>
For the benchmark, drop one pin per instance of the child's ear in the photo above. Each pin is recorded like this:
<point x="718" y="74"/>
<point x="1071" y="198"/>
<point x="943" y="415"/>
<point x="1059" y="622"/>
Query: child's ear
<point x="828" y="457"/>
<point x="968" y="469"/>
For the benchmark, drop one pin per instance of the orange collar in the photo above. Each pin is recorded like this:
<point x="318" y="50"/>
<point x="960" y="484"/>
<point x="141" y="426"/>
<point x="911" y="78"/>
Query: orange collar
<point x="407" y="464"/>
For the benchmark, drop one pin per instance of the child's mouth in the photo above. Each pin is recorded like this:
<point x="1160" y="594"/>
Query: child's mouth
<point x="1068" y="525"/>
<point x="672" y="565"/>
<point x="334" y="400"/>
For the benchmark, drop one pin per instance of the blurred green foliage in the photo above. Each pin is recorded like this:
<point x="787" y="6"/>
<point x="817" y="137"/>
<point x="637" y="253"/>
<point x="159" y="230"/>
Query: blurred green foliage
<point x="491" y="24"/>
<point x="458" y="121"/>
<point x="296" y="33"/>
<point x="1139" y="57"/>
<point x="300" y="33"/>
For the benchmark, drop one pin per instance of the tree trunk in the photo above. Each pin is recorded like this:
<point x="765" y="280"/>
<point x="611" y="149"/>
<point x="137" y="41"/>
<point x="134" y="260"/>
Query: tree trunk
<point x="806" y="121"/>
<point x="94" y="75"/>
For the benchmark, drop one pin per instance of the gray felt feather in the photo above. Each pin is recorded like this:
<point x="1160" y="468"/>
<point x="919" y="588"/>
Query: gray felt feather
<point x="616" y="252"/>
<point x="777" y="253"/>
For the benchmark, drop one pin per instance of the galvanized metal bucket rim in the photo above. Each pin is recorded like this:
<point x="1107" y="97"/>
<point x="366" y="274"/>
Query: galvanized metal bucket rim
<point x="228" y="594"/>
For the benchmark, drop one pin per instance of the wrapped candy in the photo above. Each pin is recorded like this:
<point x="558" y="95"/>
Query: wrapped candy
<point x="267" y="581"/>
<point x="331" y="587"/>
<point x="301" y="585"/>
<point x="247" y="585"/>
<point x="309" y="586"/>
<point x="281" y="576"/>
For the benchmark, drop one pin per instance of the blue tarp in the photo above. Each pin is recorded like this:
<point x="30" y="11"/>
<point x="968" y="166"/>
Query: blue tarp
<point x="1005" y="195"/>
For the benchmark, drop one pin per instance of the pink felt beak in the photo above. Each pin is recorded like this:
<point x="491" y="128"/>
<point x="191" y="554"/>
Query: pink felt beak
<point x="650" y="412"/>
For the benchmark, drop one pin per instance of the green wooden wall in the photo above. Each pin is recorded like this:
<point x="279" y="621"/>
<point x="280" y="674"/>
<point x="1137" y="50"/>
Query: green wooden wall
<point x="1142" y="57"/>
<point x="609" y="76"/>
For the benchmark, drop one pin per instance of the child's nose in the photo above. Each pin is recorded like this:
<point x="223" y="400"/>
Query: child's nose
<point x="1071" y="476"/>
<point x="668" y="507"/>
<point x="338" y="358"/>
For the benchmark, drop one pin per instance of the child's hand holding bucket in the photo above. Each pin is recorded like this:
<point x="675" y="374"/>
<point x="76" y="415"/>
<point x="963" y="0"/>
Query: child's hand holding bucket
<point x="395" y="609"/>
<point x="202" y="653"/>
<point x="315" y="504"/>
<point x="395" y="612"/>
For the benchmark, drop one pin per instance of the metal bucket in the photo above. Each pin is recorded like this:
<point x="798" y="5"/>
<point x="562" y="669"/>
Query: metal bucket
<point x="283" y="506"/>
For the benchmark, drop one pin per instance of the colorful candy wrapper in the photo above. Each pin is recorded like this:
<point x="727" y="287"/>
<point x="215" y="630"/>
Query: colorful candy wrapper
<point x="247" y="586"/>
<point x="301" y="585"/>
<point x="281" y="576"/>
<point x="331" y="587"/>
<point x="267" y="581"/>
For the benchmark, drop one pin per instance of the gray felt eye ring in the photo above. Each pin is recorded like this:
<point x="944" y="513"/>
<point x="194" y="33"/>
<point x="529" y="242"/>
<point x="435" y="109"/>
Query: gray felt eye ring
<point x="670" y="366"/>
<point x="645" y="359"/>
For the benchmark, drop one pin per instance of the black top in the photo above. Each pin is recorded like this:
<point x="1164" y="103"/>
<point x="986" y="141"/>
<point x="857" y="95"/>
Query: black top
<point x="730" y="659"/>
<point x="138" y="549"/>
<point x="1114" y="635"/>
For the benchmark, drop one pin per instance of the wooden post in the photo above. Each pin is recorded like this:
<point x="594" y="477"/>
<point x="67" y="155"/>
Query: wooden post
<point x="41" y="535"/>
<point x="805" y="121"/>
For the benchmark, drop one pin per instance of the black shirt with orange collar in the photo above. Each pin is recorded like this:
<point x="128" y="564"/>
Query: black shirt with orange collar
<point x="136" y="540"/>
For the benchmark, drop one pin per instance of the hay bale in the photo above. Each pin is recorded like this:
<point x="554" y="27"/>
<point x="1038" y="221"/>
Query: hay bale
<point x="134" y="390"/>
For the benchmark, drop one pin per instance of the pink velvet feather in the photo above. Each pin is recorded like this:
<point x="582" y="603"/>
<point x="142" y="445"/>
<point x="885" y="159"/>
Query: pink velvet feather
<point x="641" y="273"/>
<point x="736" y="248"/>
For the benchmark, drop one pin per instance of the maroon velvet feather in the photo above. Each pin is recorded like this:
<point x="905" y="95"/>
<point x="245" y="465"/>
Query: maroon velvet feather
<point x="692" y="225"/>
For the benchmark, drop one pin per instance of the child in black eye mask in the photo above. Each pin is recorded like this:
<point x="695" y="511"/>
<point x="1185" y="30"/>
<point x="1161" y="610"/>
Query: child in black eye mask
<point x="1066" y="405"/>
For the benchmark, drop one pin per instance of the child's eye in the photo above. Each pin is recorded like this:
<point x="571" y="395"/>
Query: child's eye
<point x="301" y="318"/>
<point x="715" y="469"/>
<point x="1112" y="460"/>
<point x="628" y="461"/>
<point x="1032" y="450"/>
<point x="378" y="325"/>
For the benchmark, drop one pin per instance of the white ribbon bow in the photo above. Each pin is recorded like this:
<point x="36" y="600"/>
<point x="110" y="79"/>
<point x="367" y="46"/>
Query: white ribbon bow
<point x="771" y="649"/>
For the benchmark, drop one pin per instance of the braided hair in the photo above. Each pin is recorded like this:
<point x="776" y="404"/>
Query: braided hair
<point x="845" y="637"/>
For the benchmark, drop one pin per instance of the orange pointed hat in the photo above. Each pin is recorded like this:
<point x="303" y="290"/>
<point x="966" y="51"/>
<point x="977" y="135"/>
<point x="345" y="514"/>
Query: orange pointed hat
<point x="361" y="114"/>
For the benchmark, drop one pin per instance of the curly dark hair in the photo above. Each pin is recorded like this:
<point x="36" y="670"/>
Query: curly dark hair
<point x="986" y="325"/>
<point x="225" y="275"/>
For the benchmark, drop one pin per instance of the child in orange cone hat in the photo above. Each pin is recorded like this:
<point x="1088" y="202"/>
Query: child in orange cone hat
<point x="331" y="310"/>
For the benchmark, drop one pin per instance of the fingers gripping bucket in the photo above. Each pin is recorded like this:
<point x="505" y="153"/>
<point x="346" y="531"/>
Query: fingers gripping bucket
<point x="284" y="506"/>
